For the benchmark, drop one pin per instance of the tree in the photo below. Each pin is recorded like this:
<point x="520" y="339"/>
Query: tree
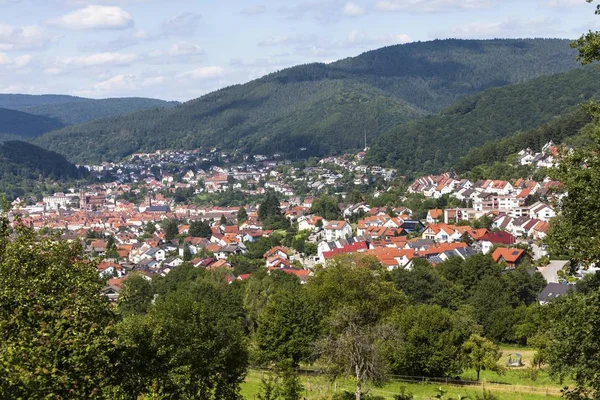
<point x="223" y="220"/>
<point x="481" y="354"/>
<point x="269" y="212"/>
<point x="171" y="229"/>
<point x="287" y="328"/>
<point x="573" y="233"/>
<point x="268" y="388"/>
<point x="136" y="295"/>
<point x="424" y="284"/>
<point x="58" y="337"/>
<point x="269" y="207"/>
<point x="187" y="253"/>
<point x="259" y="289"/>
<point x="588" y="45"/>
<point x="354" y="295"/>
<point x="326" y="207"/>
<point x="493" y="308"/>
<point x="353" y="349"/>
<point x="429" y="341"/>
<point x="348" y="281"/>
<point x="185" y="346"/>
<point x="242" y="215"/>
<point x="200" y="229"/>
<point x="290" y="387"/>
<point x="573" y="342"/>
<point x="150" y="228"/>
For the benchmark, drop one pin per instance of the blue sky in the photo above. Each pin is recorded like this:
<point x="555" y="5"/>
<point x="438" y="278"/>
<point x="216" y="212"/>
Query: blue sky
<point x="181" y="49"/>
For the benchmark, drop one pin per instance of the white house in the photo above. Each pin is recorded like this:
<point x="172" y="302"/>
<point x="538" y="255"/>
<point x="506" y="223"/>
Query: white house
<point x="155" y="253"/>
<point x="309" y="223"/>
<point x="541" y="211"/>
<point x="336" y="230"/>
<point x="434" y="216"/>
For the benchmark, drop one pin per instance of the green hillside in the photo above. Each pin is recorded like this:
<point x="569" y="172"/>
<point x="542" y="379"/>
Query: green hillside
<point x="81" y="112"/>
<point x="325" y="108"/>
<point x="436" y="143"/>
<point x="16" y="100"/>
<point x="72" y="110"/>
<point x="24" y="168"/>
<point x="26" y="125"/>
<point x="566" y="128"/>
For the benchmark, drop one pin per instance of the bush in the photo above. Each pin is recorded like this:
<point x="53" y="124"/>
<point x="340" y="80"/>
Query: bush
<point x="345" y="395"/>
<point x="486" y="396"/>
<point x="404" y="394"/>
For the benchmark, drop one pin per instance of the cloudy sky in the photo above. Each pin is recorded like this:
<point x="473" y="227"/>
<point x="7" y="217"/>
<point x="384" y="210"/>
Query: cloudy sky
<point x="181" y="49"/>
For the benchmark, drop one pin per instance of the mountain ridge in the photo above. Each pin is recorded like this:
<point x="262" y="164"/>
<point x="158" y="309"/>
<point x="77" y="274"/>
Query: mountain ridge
<point x="439" y="141"/>
<point x="26" y="125"/>
<point x="323" y="108"/>
<point x="71" y="110"/>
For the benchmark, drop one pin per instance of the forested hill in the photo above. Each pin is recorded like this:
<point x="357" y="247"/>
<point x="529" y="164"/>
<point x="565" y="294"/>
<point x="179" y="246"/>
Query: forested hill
<point x="568" y="128"/>
<point x="322" y="108"/>
<point x="436" y="143"/>
<point x="16" y="101"/>
<point x="72" y="110"/>
<point x="25" y="167"/>
<point x="26" y="125"/>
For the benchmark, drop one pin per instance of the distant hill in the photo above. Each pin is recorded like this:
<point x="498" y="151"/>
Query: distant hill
<point x="322" y="108"/>
<point x="436" y="143"/>
<point x="24" y="167"/>
<point x="15" y="101"/>
<point x="26" y="125"/>
<point x="567" y="128"/>
<point x="72" y="110"/>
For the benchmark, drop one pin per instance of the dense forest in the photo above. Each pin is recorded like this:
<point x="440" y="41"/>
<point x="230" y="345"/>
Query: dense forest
<point x="26" y="125"/>
<point x="24" y="167"/>
<point x="70" y="110"/>
<point x="568" y="128"/>
<point x="436" y="143"/>
<point x="10" y="100"/>
<point x="322" y="108"/>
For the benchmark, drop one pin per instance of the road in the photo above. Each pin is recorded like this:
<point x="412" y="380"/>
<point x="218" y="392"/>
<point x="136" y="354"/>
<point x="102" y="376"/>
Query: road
<point x="550" y="272"/>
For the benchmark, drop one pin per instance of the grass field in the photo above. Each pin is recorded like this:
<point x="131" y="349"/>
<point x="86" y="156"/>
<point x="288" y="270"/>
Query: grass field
<point x="318" y="388"/>
<point x="514" y="384"/>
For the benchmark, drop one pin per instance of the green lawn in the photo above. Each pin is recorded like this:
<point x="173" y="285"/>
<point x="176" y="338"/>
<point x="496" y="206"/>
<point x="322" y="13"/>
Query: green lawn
<point x="318" y="388"/>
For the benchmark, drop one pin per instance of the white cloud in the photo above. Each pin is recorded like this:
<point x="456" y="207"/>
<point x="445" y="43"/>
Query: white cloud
<point x="100" y="59"/>
<point x="324" y="47"/>
<point x="509" y="28"/>
<point x="95" y="17"/>
<point x="202" y="73"/>
<point x="277" y="41"/>
<point x="159" y="84"/>
<point x="181" y="52"/>
<point x="432" y="6"/>
<point x="185" y="49"/>
<point x="361" y="39"/>
<point x="4" y="59"/>
<point x="13" y="38"/>
<point x="254" y="10"/>
<point x="16" y="62"/>
<point x="79" y="3"/>
<point x="182" y="24"/>
<point x="22" y="61"/>
<point x="324" y="11"/>
<point x="121" y="82"/>
<point x="352" y="9"/>
<point x="566" y="3"/>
